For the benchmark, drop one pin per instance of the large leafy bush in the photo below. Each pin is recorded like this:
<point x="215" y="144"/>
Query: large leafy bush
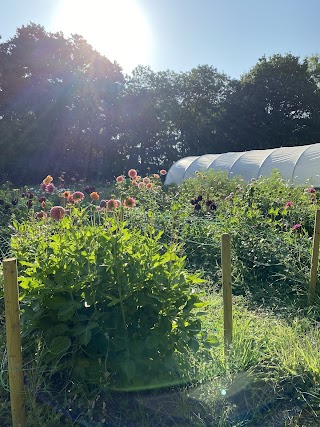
<point x="106" y="303"/>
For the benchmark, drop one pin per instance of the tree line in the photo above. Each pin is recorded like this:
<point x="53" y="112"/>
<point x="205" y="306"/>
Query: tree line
<point x="66" y="108"/>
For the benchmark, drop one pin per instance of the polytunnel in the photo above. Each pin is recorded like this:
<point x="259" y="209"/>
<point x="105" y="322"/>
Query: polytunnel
<point x="298" y="165"/>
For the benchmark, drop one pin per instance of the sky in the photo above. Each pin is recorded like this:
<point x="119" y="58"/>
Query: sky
<point x="230" y="35"/>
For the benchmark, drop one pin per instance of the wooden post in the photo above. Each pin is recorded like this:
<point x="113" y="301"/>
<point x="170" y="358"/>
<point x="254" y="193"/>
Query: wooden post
<point x="227" y="292"/>
<point x="314" y="258"/>
<point x="11" y="300"/>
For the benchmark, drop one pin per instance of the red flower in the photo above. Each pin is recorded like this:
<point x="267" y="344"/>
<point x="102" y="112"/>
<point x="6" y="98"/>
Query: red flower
<point x="77" y="196"/>
<point x="57" y="212"/>
<point x="129" y="202"/>
<point x="132" y="173"/>
<point x="112" y="204"/>
<point x="120" y="178"/>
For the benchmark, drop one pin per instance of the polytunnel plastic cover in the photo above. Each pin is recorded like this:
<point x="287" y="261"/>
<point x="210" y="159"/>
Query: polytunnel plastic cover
<point x="299" y="165"/>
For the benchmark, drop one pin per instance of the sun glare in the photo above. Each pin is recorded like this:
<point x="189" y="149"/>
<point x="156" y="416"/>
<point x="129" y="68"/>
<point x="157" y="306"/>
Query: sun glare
<point x="118" y="29"/>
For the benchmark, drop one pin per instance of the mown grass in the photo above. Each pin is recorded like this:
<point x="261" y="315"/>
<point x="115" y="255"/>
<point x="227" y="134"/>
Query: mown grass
<point x="271" y="374"/>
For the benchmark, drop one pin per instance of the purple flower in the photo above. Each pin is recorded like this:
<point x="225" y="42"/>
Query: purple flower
<point x="50" y="188"/>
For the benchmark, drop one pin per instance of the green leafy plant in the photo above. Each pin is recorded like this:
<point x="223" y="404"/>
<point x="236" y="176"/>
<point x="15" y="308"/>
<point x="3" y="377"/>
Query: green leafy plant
<point x="106" y="303"/>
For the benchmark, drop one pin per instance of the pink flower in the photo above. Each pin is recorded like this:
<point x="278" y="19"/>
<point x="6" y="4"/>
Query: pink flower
<point x="289" y="205"/>
<point x="156" y="176"/>
<point x="134" y="182"/>
<point x="132" y="173"/>
<point x="112" y="204"/>
<point x="296" y="226"/>
<point x="120" y="178"/>
<point x="311" y="190"/>
<point x="57" y="212"/>
<point x="50" y="188"/>
<point x="129" y="202"/>
<point x="77" y="196"/>
<point x="141" y="185"/>
<point x="163" y="172"/>
<point x="118" y="203"/>
<point x="149" y="186"/>
<point x="43" y="186"/>
<point x="146" y="180"/>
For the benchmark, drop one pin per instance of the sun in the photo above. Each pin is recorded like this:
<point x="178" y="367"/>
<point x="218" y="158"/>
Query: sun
<point x="117" y="29"/>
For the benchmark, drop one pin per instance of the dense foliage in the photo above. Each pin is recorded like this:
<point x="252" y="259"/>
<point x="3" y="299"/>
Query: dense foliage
<point x="112" y="300"/>
<point x="65" y="107"/>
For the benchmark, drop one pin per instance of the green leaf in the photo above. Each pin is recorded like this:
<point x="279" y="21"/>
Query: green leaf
<point x="85" y="337"/>
<point x="55" y="302"/>
<point x="59" y="345"/>
<point x="129" y="368"/>
<point x="152" y="341"/>
<point x="193" y="344"/>
<point x="201" y="304"/>
<point x="211" y="341"/>
<point x="67" y="310"/>
<point x="80" y="329"/>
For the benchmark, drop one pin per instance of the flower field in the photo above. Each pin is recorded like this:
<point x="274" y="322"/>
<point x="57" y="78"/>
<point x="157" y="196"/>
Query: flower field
<point x="121" y="302"/>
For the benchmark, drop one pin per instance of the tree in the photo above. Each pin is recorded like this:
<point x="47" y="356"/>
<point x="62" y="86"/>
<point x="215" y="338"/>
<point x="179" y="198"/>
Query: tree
<point x="56" y="99"/>
<point x="275" y="104"/>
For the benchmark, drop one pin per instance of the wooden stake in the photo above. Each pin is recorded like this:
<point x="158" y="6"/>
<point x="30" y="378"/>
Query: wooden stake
<point x="227" y="292"/>
<point x="11" y="300"/>
<point x="315" y="258"/>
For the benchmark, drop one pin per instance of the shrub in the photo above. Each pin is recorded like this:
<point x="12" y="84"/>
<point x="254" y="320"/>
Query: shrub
<point x="106" y="303"/>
